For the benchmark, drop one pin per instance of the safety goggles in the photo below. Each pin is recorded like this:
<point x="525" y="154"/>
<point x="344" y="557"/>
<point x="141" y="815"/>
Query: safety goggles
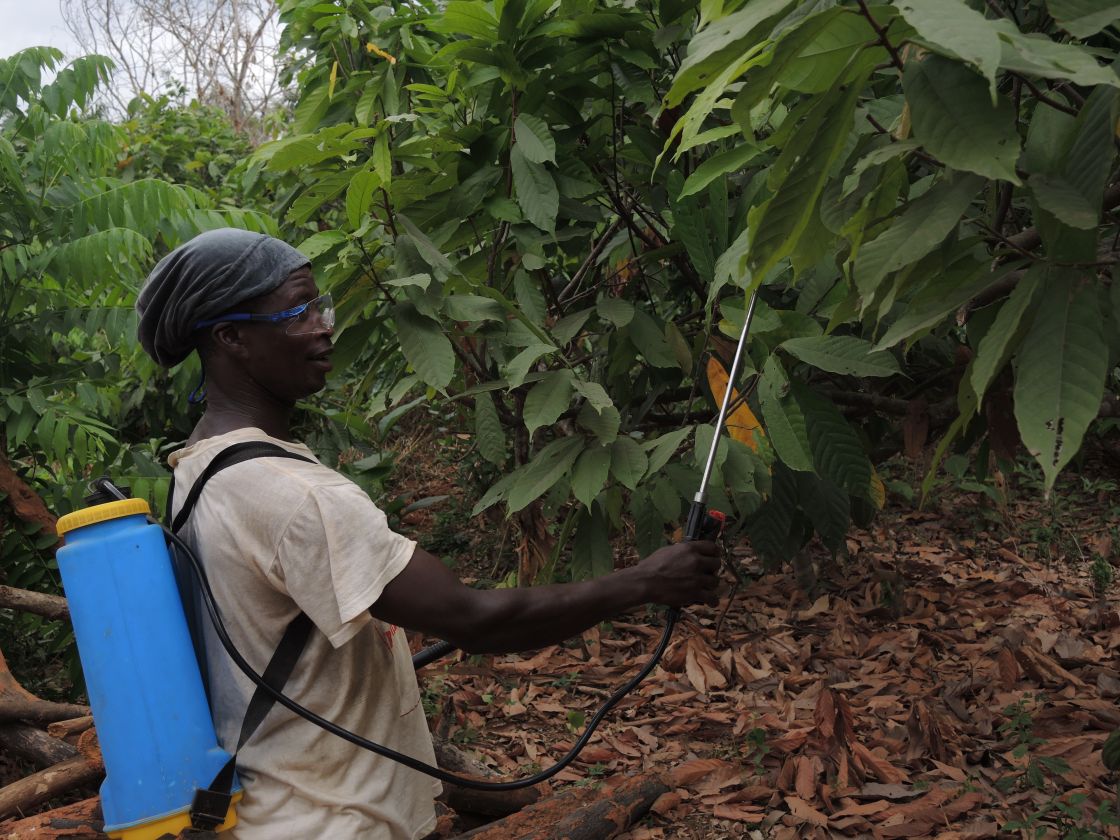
<point x="314" y="316"/>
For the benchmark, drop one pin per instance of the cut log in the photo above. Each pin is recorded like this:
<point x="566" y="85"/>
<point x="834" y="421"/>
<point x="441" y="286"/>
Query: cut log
<point x="34" y="745"/>
<point x="68" y="728"/>
<point x="24" y="501"/>
<point x="76" y="821"/>
<point x="580" y="814"/>
<point x="39" y="603"/>
<point x="482" y="803"/>
<point x="38" y="711"/>
<point x="37" y="788"/>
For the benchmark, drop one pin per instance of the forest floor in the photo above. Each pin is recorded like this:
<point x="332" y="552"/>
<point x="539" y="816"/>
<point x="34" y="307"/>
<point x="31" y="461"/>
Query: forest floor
<point x="953" y="676"/>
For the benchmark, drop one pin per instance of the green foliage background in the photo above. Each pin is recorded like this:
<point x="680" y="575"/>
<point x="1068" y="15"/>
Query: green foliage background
<point x="542" y="216"/>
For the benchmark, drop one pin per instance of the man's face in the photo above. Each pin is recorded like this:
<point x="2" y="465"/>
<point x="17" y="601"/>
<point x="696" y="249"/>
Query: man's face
<point x="290" y="367"/>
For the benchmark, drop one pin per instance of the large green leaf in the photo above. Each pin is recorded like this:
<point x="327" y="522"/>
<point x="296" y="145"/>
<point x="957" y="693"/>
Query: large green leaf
<point x="1060" y="370"/>
<point x="919" y="228"/>
<point x="842" y="354"/>
<point x="724" y="40"/>
<point x="952" y="115"/>
<point x="1082" y="18"/>
<point x="546" y="468"/>
<point x="1007" y="330"/>
<point x="837" y="451"/>
<point x="548" y="399"/>
<point x="590" y="473"/>
<point x="489" y="437"/>
<point x="628" y="462"/>
<point x="1038" y="55"/>
<point x="777" y="224"/>
<point x="591" y="549"/>
<point x="1072" y="188"/>
<point x="664" y="447"/>
<point x="773" y="529"/>
<point x="534" y="139"/>
<point x="784" y="421"/>
<point x="649" y="339"/>
<point x="425" y="346"/>
<point x="718" y="165"/>
<point x="535" y="189"/>
<point x="359" y="195"/>
<point x="815" y="66"/>
<point x="952" y="28"/>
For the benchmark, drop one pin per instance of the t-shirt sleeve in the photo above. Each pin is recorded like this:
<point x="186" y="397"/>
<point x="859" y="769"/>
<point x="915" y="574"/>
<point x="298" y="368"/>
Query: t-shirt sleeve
<point x="336" y="556"/>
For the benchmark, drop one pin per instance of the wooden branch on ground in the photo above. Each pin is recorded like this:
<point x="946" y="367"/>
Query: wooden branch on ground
<point x="38" y="711"/>
<point x="67" y="728"/>
<point x="578" y="814"/>
<point x="33" y="744"/>
<point x="39" y="603"/>
<point x="76" y="821"/>
<point x="37" y="788"/>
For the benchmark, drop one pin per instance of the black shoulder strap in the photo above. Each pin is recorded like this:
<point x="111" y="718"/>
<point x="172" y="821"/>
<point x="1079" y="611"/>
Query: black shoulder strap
<point x="229" y="456"/>
<point x="211" y="805"/>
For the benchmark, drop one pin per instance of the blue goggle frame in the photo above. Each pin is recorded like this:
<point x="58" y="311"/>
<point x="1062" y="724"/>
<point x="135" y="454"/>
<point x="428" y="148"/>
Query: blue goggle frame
<point x="301" y="318"/>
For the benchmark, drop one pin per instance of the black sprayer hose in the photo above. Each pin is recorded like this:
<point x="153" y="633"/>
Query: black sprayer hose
<point x="671" y="617"/>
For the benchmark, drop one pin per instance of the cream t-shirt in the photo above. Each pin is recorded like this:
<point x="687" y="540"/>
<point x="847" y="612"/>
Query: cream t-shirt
<point x="277" y="536"/>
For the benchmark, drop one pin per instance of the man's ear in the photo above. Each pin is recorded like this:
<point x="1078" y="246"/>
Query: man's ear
<point x="226" y="337"/>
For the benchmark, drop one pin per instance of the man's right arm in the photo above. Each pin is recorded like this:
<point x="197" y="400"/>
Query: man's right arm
<point x="428" y="597"/>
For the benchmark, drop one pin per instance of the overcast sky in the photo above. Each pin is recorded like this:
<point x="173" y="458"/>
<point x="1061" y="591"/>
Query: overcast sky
<point x="33" y="23"/>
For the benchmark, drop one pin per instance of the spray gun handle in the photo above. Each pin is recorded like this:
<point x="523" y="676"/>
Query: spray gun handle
<point x="703" y="524"/>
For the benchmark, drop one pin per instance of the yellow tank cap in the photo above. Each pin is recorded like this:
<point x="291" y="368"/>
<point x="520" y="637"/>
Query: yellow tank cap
<point x="101" y="513"/>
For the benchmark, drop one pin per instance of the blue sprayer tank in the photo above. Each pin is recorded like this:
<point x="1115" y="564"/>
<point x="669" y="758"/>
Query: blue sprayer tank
<point x="153" y="720"/>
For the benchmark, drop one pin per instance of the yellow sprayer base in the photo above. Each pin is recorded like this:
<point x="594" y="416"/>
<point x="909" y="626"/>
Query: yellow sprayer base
<point x="172" y="824"/>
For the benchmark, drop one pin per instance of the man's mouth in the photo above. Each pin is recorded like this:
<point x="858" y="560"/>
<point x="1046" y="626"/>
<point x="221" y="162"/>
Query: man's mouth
<point x="323" y="359"/>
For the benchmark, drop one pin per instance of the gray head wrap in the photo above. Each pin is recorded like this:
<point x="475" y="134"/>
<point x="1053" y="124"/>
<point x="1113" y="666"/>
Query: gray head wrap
<point x="204" y="278"/>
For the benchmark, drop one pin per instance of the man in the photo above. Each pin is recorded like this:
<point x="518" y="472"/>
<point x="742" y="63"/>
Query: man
<point x="280" y="536"/>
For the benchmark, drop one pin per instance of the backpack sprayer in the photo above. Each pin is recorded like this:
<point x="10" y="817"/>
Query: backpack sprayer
<point x="165" y="771"/>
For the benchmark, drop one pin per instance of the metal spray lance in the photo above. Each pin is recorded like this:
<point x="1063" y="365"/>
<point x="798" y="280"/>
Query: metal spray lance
<point x="699" y="520"/>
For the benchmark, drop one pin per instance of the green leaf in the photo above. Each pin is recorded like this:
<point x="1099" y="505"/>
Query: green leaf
<point x="842" y="354"/>
<point x="661" y="449"/>
<point x="773" y="529"/>
<point x="649" y="339"/>
<point x="1060" y="370"/>
<point x="1039" y="55"/>
<point x="1082" y="18"/>
<point x="921" y="227"/>
<point x="489" y="436"/>
<point x="465" y="17"/>
<point x="590" y="474"/>
<point x="535" y="189"/>
<point x="952" y="115"/>
<point x="815" y="66"/>
<point x="616" y="310"/>
<point x="548" y="399"/>
<point x="1072" y="188"/>
<point x="828" y="507"/>
<point x="837" y="451"/>
<point x="628" y="462"/>
<point x="602" y="423"/>
<point x="595" y="394"/>
<point x="534" y="139"/>
<point x="1007" y="330"/>
<point x="319" y="243"/>
<point x="359" y="195"/>
<point x="777" y="224"/>
<point x="429" y="251"/>
<point x="783" y="419"/>
<point x="546" y="468"/>
<point x="425" y="346"/>
<point x="591" y="549"/>
<point x="727" y="39"/>
<point x="948" y="288"/>
<point x="952" y="28"/>
<point x="717" y="166"/>
<point x="518" y="367"/>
